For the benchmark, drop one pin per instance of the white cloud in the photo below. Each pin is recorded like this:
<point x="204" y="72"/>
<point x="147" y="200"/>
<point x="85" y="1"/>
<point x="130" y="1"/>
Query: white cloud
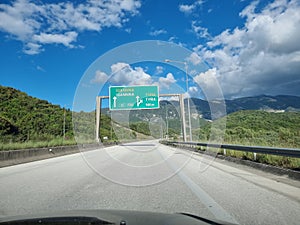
<point x="262" y="57"/>
<point x="37" y="23"/>
<point x="166" y="82"/>
<point x="157" y="32"/>
<point x="32" y="48"/>
<point x="204" y="77"/>
<point x="194" y="58"/>
<point x="64" y="39"/>
<point x="159" y="70"/>
<point x="169" y="98"/>
<point x="172" y="39"/>
<point x="201" y="32"/>
<point x="100" y="77"/>
<point x="188" y="9"/>
<point x="209" y="84"/>
<point x="194" y="91"/>
<point x="19" y="19"/>
<point x="123" y="74"/>
<point x="186" y="95"/>
<point x="128" y="30"/>
<point x="40" y="68"/>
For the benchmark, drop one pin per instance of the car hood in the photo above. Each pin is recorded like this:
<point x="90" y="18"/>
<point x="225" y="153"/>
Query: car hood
<point x="122" y="217"/>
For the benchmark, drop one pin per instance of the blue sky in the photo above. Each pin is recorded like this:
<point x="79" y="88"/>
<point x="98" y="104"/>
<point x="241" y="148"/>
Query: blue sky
<point x="251" y="47"/>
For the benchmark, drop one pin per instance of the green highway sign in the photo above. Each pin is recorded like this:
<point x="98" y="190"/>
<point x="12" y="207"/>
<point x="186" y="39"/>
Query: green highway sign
<point x="133" y="97"/>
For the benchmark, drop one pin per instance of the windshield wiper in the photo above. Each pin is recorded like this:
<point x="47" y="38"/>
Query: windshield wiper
<point x="203" y="219"/>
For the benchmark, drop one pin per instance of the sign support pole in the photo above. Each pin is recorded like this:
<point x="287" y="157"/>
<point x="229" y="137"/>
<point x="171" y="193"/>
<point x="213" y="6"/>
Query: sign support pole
<point x="181" y="103"/>
<point x="98" y="111"/>
<point x="98" y="115"/>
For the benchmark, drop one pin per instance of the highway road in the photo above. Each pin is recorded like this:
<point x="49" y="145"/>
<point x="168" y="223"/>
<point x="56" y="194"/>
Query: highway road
<point x="149" y="176"/>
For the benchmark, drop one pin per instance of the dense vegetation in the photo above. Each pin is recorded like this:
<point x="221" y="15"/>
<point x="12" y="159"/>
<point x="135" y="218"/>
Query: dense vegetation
<point x="253" y="127"/>
<point x="24" y="118"/>
<point x="27" y="122"/>
<point x="246" y="127"/>
<point x="37" y="123"/>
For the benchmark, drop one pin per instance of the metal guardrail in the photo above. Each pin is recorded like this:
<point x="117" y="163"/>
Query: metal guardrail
<point x="288" y="152"/>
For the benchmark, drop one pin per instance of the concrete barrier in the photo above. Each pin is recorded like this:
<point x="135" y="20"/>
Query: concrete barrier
<point x="14" y="157"/>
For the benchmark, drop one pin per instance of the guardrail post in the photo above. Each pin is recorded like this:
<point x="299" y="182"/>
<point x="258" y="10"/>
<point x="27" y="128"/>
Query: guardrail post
<point x="254" y="156"/>
<point x="224" y="151"/>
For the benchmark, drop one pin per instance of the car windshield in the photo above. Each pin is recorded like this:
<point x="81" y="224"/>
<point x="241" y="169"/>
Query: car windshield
<point x="178" y="106"/>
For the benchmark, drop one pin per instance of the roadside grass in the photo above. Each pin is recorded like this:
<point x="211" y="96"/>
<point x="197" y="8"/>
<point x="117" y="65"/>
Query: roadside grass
<point x="35" y="144"/>
<point x="274" y="160"/>
<point x="127" y="136"/>
<point x="280" y="161"/>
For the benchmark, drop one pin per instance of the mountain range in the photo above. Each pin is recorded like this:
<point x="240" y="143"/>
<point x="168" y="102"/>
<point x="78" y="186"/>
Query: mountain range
<point x="280" y="103"/>
<point x="202" y="109"/>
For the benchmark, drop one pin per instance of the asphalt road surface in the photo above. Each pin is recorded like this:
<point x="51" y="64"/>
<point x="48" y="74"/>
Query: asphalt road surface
<point x="149" y="176"/>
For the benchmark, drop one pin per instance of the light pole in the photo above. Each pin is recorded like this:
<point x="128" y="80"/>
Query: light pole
<point x="64" y="124"/>
<point x="167" y="124"/>
<point x="110" y="115"/>
<point x="187" y="89"/>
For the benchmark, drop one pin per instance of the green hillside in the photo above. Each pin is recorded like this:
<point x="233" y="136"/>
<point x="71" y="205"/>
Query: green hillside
<point x="264" y="128"/>
<point x="253" y="127"/>
<point x="24" y="118"/>
<point x="27" y="122"/>
<point x="258" y="128"/>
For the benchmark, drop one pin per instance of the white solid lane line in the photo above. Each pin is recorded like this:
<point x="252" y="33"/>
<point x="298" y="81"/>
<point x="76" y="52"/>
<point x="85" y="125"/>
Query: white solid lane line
<point x="218" y="211"/>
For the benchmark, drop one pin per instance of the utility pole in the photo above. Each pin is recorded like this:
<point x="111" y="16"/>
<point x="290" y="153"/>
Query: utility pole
<point x="167" y="124"/>
<point x="187" y="90"/>
<point x="64" y="124"/>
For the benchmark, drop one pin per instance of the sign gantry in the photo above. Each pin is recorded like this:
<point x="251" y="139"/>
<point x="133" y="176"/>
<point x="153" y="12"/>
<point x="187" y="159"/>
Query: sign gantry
<point x="134" y="98"/>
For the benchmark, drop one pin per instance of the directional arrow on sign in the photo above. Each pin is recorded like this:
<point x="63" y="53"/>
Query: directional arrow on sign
<point x="138" y="102"/>
<point x="115" y="101"/>
<point x="133" y="97"/>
